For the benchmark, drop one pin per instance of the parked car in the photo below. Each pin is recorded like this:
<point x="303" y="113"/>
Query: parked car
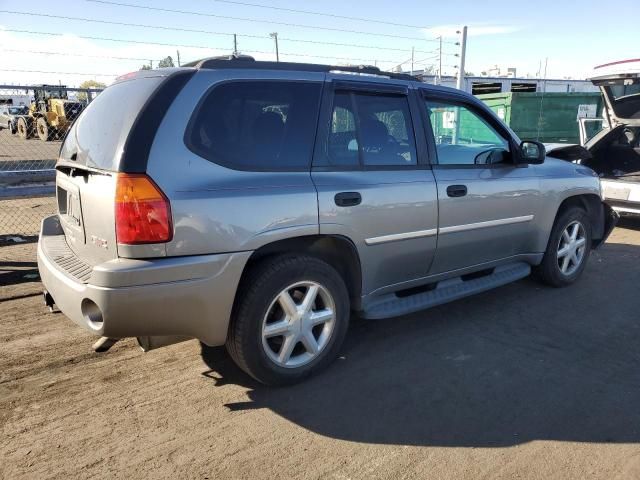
<point x="9" y="115"/>
<point x="257" y="204"/>
<point x="614" y="152"/>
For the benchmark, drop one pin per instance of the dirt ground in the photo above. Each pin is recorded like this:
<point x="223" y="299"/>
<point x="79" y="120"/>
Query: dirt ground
<point x="521" y="382"/>
<point x="13" y="147"/>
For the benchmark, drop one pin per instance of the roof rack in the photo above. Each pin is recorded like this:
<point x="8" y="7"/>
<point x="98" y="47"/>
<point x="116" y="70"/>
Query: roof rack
<point x="246" y="61"/>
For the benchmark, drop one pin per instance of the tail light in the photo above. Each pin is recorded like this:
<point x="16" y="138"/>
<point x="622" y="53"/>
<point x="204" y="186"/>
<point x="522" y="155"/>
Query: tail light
<point x="143" y="212"/>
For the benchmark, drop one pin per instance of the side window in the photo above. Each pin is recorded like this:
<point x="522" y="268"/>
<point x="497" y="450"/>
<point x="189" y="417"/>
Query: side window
<point x="463" y="137"/>
<point x="371" y="130"/>
<point x="255" y="125"/>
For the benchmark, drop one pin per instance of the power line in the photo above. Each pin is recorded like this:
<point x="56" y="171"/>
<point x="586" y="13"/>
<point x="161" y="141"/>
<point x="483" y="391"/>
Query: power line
<point x="208" y="32"/>
<point x="322" y="14"/>
<point x="62" y="73"/>
<point x="206" y="47"/>
<point x="108" y="39"/>
<point x="255" y="20"/>
<point x="36" y="52"/>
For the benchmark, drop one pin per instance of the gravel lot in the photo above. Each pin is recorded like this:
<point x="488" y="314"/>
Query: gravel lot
<point x="13" y="147"/>
<point x="522" y="382"/>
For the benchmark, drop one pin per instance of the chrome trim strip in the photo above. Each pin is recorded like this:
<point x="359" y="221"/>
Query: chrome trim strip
<point x="401" y="236"/>
<point x="490" y="223"/>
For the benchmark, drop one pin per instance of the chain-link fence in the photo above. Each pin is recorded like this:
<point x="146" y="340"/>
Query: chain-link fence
<point x="33" y="122"/>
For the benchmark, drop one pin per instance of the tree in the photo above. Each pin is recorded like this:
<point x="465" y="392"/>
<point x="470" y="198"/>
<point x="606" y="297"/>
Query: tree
<point x="166" y="62"/>
<point x="145" y="67"/>
<point x="82" y="96"/>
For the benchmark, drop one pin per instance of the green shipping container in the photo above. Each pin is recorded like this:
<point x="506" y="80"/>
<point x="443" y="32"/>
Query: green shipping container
<point x="546" y="117"/>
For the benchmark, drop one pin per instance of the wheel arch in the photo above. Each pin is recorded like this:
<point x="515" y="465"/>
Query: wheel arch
<point x="592" y="205"/>
<point x="336" y="250"/>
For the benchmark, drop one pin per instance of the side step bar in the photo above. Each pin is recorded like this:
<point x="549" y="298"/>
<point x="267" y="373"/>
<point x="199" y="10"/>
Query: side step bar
<point x="445" y="291"/>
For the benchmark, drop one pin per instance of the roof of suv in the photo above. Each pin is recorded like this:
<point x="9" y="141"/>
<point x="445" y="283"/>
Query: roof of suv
<point x="239" y="62"/>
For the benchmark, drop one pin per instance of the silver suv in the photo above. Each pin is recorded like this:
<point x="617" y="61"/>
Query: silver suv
<point x="257" y="204"/>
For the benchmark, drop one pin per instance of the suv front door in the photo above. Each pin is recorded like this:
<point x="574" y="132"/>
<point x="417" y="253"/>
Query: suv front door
<point x="487" y="203"/>
<point x="374" y="184"/>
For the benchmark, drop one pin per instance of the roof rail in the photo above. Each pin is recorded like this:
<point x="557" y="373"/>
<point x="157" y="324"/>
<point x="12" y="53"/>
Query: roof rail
<point x="246" y="61"/>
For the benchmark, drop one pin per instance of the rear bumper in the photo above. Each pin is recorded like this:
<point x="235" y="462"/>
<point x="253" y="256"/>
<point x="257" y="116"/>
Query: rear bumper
<point x="188" y="296"/>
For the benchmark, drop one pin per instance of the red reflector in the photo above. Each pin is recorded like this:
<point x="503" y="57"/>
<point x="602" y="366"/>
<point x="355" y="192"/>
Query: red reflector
<point x="143" y="213"/>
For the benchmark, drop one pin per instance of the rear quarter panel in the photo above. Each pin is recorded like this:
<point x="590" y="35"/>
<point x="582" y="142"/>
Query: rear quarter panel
<point x="217" y="209"/>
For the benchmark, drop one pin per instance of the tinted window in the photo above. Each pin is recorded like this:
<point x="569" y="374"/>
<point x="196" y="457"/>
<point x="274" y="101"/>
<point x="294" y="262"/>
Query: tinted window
<point x="371" y="130"/>
<point x="257" y="125"/>
<point x="464" y="137"/>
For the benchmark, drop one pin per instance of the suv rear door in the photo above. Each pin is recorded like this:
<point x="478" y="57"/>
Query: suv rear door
<point x="487" y="204"/>
<point x="373" y="180"/>
<point x="89" y="161"/>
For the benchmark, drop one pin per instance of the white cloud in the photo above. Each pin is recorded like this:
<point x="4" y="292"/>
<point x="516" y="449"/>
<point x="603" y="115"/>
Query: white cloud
<point x="451" y="31"/>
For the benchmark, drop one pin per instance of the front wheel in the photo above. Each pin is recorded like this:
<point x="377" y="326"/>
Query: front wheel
<point x="568" y="250"/>
<point x="42" y="129"/>
<point x="290" y="319"/>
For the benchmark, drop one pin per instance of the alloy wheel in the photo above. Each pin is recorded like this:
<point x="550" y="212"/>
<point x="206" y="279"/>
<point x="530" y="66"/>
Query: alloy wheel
<point x="298" y="324"/>
<point x="571" y="248"/>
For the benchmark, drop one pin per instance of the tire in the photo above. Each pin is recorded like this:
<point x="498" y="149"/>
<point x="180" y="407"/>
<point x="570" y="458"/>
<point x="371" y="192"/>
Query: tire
<point x="23" y="129"/>
<point x="43" y="129"/>
<point x="555" y="270"/>
<point x="260" y="329"/>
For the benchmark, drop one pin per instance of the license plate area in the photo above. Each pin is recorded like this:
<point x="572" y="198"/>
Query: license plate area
<point x="70" y="211"/>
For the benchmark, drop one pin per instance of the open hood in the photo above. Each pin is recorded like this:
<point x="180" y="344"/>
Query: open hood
<point x="620" y="86"/>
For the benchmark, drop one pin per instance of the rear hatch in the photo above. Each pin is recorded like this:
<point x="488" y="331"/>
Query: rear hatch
<point x="619" y="83"/>
<point x="89" y="160"/>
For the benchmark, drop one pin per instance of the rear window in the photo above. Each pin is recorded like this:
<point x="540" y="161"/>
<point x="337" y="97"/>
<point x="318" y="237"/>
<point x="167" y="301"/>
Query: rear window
<point x="99" y="134"/>
<point x="257" y="125"/>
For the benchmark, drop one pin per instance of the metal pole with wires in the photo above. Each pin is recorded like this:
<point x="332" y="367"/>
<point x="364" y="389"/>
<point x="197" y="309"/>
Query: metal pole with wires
<point x="274" y="35"/>
<point x="440" y="61"/>
<point x="235" y="45"/>
<point x="463" y="54"/>
<point x="412" y="57"/>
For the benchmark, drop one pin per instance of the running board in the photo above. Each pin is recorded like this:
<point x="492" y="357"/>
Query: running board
<point x="445" y="291"/>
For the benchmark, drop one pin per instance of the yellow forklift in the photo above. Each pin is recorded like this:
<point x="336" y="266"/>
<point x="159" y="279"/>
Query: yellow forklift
<point x="50" y="114"/>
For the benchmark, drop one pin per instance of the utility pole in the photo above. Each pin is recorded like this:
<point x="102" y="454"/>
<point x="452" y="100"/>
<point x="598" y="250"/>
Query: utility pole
<point x="412" y="51"/>
<point x="440" y="61"/>
<point x="151" y="64"/>
<point x="274" y="35"/>
<point x="178" y="55"/>
<point x="235" y="45"/>
<point x="463" y="53"/>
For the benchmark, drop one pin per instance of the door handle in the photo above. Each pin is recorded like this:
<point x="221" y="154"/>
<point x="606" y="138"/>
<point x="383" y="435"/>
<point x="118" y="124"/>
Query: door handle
<point x="456" y="190"/>
<point x="348" y="199"/>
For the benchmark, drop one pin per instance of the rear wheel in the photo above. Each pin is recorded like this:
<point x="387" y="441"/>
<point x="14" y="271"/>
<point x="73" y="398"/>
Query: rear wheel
<point x="568" y="250"/>
<point x="43" y="129"/>
<point x="23" y="129"/>
<point x="290" y="319"/>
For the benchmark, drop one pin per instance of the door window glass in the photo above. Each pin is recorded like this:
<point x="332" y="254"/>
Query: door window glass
<point x="463" y="137"/>
<point x="371" y="130"/>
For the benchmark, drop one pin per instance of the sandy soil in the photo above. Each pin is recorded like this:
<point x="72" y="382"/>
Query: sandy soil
<point x="522" y="382"/>
<point x="13" y="147"/>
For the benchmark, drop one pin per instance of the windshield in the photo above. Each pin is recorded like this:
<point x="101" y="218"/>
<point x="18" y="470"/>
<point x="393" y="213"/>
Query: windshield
<point x="17" y="110"/>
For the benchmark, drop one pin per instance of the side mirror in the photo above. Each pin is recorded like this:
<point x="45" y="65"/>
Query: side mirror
<point x="532" y="152"/>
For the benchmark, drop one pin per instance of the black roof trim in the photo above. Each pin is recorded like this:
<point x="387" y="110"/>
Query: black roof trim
<point x="143" y="131"/>
<point x="246" y="61"/>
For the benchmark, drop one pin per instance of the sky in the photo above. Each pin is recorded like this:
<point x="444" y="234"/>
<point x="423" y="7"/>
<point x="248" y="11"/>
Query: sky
<point x="51" y="42"/>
